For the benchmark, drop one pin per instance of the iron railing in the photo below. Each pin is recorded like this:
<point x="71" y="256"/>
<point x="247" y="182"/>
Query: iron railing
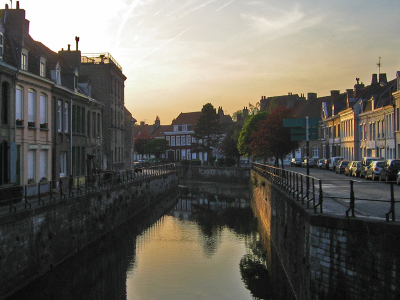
<point x="310" y="190"/>
<point x="33" y="195"/>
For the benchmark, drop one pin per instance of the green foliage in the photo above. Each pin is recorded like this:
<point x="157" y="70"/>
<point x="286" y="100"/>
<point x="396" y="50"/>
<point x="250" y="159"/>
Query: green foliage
<point x="156" y="147"/>
<point x="245" y="137"/>
<point x="220" y="162"/>
<point x="207" y="129"/>
<point x="229" y="162"/>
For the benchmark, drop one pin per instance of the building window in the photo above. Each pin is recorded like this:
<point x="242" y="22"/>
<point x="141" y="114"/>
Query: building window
<point x="168" y="140"/>
<point x="315" y="152"/>
<point x="5" y="90"/>
<point x="24" y="60"/>
<point x="172" y="141"/>
<point x="1" y="45"/>
<point x="59" y="116"/>
<point x="31" y="165"/>
<point x="19" y="104"/>
<point x="178" y="140"/>
<point x="66" y="116"/>
<point x="63" y="163"/>
<point x="43" y="111"/>
<point x="58" y="76"/>
<point x="42" y="67"/>
<point x="31" y="108"/>
<point x="43" y="164"/>
<point x="188" y="139"/>
<point x="183" y="140"/>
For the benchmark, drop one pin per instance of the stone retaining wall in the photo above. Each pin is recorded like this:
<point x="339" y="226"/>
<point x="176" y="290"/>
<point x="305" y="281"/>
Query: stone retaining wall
<point x="33" y="241"/>
<point x="324" y="257"/>
<point x="215" y="174"/>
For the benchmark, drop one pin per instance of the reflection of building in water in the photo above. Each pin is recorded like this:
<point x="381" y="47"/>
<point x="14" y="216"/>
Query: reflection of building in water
<point x="189" y="202"/>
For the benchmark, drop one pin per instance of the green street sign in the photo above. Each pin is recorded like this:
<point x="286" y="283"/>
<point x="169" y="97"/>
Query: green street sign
<point x="302" y="137"/>
<point x="300" y="122"/>
<point x="303" y="130"/>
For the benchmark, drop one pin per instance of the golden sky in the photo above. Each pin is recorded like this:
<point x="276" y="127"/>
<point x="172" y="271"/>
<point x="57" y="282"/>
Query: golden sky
<point x="181" y="54"/>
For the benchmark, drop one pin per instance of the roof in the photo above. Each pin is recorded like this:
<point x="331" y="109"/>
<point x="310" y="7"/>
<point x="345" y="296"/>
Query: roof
<point x="187" y="118"/>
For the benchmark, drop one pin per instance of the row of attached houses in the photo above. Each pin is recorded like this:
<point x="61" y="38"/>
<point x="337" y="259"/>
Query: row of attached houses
<point x="363" y="121"/>
<point x="180" y="136"/>
<point x="62" y="113"/>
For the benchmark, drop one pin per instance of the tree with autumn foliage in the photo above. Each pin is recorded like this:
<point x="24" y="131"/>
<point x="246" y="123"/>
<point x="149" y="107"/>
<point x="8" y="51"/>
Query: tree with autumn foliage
<point x="271" y="139"/>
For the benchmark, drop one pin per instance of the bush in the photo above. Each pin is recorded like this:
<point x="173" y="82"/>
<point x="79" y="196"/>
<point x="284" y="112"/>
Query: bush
<point x="220" y="162"/>
<point x="195" y="162"/>
<point x="185" y="162"/>
<point x="229" y="162"/>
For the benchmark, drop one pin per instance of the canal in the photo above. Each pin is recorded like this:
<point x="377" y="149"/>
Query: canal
<point x="200" y="243"/>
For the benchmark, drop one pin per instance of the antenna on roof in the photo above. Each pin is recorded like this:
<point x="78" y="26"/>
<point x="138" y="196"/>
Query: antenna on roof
<point x="379" y="65"/>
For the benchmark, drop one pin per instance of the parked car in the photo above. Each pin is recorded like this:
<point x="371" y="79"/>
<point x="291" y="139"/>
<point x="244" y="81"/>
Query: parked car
<point x="349" y="167"/>
<point x="341" y="166"/>
<point x="333" y="162"/>
<point x="311" y="163"/>
<point x="390" y="169"/>
<point x="320" y="163"/>
<point x="365" y="162"/>
<point x="325" y="165"/>
<point x="296" y="162"/>
<point x="355" y="170"/>
<point x="374" y="169"/>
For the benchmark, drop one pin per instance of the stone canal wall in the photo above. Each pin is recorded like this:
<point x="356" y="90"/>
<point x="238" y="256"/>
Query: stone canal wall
<point x="215" y="174"/>
<point x="33" y="241"/>
<point x="324" y="257"/>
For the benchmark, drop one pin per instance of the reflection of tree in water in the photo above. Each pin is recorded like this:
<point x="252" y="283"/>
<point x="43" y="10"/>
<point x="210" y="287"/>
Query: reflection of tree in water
<point x="256" y="277"/>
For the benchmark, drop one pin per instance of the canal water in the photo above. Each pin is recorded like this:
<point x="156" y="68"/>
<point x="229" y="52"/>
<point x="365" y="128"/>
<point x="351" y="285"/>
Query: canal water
<point x="201" y="243"/>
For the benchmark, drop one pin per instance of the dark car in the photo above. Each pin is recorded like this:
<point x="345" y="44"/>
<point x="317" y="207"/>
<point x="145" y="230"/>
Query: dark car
<point x="296" y="162"/>
<point x="374" y="170"/>
<point x="390" y="169"/>
<point x="341" y="166"/>
<point x="355" y="169"/>
<point x="320" y="163"/>
<point x="325" y="165"/>
<point x="311" y="163"/>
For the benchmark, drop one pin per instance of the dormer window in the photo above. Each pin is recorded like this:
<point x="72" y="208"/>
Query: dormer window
<point x="42" y="67"/>
<point x="24" y="60"/>
<point x="1" y="45"/>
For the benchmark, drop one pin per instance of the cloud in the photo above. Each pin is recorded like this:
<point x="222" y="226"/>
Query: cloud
<point x="276" y="23"/>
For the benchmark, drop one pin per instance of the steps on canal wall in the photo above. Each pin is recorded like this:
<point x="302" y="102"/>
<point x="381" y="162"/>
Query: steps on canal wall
<point x="323" y="257"/>
<point x="33" y="241"/>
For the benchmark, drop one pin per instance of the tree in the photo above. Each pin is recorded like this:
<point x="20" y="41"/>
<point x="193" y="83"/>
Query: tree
<point x="207" y="130"/>
<point x="156" y="147"/>
<point x="140" y="141"/>
<point x="271" y="139"/>
<point x="245" y="137"/>
<point x="228" y="145"/>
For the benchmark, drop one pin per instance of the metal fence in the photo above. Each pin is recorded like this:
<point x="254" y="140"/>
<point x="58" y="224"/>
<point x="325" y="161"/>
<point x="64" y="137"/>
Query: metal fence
<point x="310" y="190"/>
<point x="17" y="197"/>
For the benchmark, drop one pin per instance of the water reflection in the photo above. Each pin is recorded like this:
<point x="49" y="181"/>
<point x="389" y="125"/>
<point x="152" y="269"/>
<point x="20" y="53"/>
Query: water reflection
<point x="205" y="247"/>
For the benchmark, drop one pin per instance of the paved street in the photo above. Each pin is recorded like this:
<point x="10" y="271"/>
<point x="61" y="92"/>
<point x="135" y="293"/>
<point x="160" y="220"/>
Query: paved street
<point x="371" y="197"/>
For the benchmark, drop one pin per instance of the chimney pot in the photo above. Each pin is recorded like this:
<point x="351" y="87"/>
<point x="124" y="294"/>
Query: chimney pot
<point x="77" y="41"/>
<point x="374" y="79"/>
<point x="17" y="4"/>
<point x="69" y="47"/>
<point x="382" y="78"/>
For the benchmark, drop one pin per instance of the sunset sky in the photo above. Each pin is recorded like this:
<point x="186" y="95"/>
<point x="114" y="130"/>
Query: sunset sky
<point x="181" y="54"/>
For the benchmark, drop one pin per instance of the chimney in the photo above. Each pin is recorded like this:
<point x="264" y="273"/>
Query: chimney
<point x="17" y="5"/>
<point x="350" y="94"/>
<point x="69" y="47"/>
<point x="311" y="96"/>
<point x="374" y="79"/>
<point x="77" y="41"/>
<point x="382" y="78"/>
